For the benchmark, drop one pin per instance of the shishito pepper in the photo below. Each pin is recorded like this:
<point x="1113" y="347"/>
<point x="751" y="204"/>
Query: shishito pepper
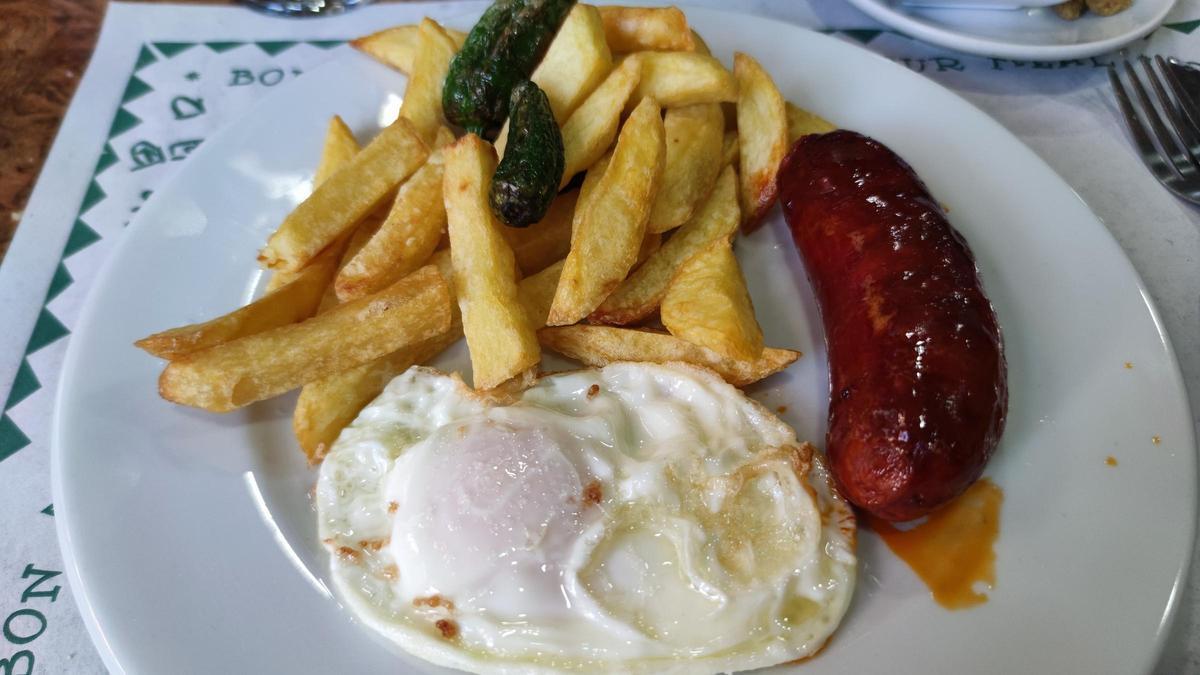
<point x="502" y="50"/>
<point x="527" y="179"/>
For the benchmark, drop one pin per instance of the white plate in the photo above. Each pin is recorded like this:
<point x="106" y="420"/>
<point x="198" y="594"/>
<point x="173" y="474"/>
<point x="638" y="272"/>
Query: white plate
<point x="1030" y="33"/>
<point x="190" y="540"/>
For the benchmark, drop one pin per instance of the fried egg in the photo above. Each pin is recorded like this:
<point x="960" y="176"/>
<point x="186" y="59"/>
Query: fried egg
<point x="636" y="518"/>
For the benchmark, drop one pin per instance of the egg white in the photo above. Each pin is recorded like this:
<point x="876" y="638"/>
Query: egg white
<point x="636" y="518"/>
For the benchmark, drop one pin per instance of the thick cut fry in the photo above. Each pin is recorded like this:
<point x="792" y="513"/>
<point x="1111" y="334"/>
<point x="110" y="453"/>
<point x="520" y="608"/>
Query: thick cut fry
<point x="650" y="245"/>
<point x="501" y="342"/>
<point x="762" y="138"/>
<point x="634" y="29"/>
<point x="408" y="236"/>
<point x="802" y="123"/>
<point x="694" y="142"/>
<point x="267" y="364"/>
<point x="576" y="62"/>
<point x="537" y="293"/>
<point x="606" y="239"/>
<point x="398" y="46"/>
<point x="294" y="302"/>
<point x="640" y="294"/>
<point x="423" y="97"/>
<point x="683" y="78"/>
<point x="707" y="304"/>
<point x="547" y="240"/>
<point x="590" y="130"/>
<point x="599" y="346"/>
<point x="701" y="47"/>
<point x="730" y="150"/>
<point x="327" y="405"/>
<point x="340" y="148"/>
<point x="346" y="197"/>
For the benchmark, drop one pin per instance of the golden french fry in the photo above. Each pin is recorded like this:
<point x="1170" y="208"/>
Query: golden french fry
<point x="547" y="240"/>
<point x="707" y="304"/>
<point x="576" y="62"/>
<point x="606" y="239"/>
<point x="640" y="294"/>
<point x="346" y="197"/>
<point x="683" y="78"/>
<point x="327" y="405"/>
<point x="408" y="236"/>
<point x="762" y="138"/>
<point x="340" y="148"/>
<point x="730" y="150"/>
<point x="802" y="123"/>
<point x="537" y="293"/>
<point x="694" y="141"/>
<point x="423" y="96"/>
<point x="701" y="47"/>
<point x="599" y="346"/>
<point x="590" y="130"/>
<point x="294" y="302"/>
<point x="259" y="366"/>
<point x="398" y="46"/>
<point x="650" y="244"/>
<point x="501" y="342"/>
<point x="634" y="29"/>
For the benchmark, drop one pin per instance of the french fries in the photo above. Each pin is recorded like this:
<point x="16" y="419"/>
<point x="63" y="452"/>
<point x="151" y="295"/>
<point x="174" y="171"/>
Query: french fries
<point x="730" y="149"/>
<point x="606" y="239"/>
<point x="634" y="29"/>
<point x="599" y="346"/>
<point x="707" y="304"/>
<point x="650" y="245"/>
<point x="294" y="302"/>
<point x="328" y="405"/>
<point x="695" y="136"/>
<point x="423" y="96"/>
<point x="537" y="293"/>
<point x="802" y="123"/>
<point x="762" y="138"/>
<point x="259" y="366"/>
<point x="408" y="236"/>
<point x="576" y="62"/>
<point x="340" y="147"/>
<point x="683" y="78"/>
<point x="398" y="46"/>
<point x="547" y="240"/>
<point x="501" y="342"/>
<point x="590" y="130"/>
<point x="639" y="295"/>
<point x="346" y="197"/>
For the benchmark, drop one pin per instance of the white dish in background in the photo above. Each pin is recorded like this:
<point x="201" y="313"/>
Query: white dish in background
<point x="1033" y="33"/>
<point x="980" y="4"/>
<point x="189" y="538"/>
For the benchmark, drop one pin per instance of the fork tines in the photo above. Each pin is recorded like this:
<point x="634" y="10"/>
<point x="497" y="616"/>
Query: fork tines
<point x="1166" y="129"/>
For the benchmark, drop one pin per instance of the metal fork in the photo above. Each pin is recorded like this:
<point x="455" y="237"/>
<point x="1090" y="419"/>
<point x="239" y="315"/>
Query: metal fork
<point x="1170" y="149"/>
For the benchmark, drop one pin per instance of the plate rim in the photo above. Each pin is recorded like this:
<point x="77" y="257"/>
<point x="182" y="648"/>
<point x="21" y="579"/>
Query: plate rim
<point x="918" y="29"/>
<point x="89" y="309"/>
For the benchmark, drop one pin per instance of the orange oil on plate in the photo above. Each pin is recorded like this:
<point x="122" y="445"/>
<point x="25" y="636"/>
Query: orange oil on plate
<point x="952" y="551"/>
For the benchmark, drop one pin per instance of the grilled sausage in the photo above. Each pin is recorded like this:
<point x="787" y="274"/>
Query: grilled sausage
<point x="918" y="391"/>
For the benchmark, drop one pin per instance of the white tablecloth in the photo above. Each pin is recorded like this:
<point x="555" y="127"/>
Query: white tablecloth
<point x="164" y="77"/>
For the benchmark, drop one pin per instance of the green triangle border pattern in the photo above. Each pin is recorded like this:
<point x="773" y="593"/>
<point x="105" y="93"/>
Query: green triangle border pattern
<point x="12" y="438"/>
<point x="1185" y="27"/>
<point x="24" y="384"/>
<point x="170" y="49"/>
<point x="275" y="47"/>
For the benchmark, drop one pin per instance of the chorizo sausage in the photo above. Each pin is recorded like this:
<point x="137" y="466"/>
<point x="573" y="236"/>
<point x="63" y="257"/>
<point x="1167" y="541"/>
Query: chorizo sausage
<point x="918" y="387"/>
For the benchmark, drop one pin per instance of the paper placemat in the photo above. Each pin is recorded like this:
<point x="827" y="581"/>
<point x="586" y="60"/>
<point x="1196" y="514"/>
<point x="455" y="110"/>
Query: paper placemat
<point x="165" y="77"/>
